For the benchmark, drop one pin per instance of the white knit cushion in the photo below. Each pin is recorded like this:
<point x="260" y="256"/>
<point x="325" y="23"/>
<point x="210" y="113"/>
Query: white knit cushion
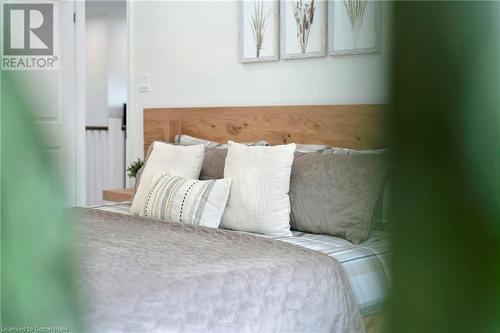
<point x="182" y="200"/>
<point x="259" y="200"/>
<point x="181" y="161"/>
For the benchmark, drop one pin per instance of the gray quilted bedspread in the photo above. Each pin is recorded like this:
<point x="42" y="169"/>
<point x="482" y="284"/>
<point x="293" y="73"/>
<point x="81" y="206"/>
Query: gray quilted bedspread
<point x="140" y="275"/>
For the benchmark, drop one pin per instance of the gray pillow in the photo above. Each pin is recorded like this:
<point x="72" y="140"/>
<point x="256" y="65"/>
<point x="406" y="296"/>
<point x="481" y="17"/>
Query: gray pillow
<point x="213" y="164"/>
<point x="336" y="193"/>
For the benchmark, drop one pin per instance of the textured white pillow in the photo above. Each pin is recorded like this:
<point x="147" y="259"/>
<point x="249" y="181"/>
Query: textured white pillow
<point x="258" y="201"/>
<point x="182" y="200"/>
<point x="182" y="161"/>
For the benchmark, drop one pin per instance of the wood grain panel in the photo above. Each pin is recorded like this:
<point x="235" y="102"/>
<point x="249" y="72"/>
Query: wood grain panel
<point x="351" y="126"/>
<point x="118" y="195"/>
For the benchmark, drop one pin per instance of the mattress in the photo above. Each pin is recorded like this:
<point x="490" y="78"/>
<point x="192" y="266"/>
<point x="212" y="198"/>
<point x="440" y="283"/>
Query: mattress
<point x="365" y="265"/>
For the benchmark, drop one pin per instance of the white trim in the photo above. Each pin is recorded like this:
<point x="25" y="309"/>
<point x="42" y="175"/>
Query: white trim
<point x="64" y="127"/>
<point x="80" y="69"/>
<point x="127" y="92"/>
<point x="133" y="142"/>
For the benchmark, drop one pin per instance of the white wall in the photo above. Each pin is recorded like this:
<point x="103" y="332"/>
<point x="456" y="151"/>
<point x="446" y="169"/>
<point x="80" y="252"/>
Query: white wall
<point x="106" y="91"/>
<point x="106" y="38"/>
<point x="190" y="51"/>
<point x="97" y="67"/>
<point x="117" y="63"/>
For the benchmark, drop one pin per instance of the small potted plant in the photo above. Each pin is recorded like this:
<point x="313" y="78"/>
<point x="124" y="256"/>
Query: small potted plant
<point x="134" y="167"/>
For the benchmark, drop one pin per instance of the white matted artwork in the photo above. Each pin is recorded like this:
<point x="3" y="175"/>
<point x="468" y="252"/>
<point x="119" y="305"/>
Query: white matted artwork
<point x="354" y="26"/>
<point x="303" y="28"/>
<point x="259" y="30"/>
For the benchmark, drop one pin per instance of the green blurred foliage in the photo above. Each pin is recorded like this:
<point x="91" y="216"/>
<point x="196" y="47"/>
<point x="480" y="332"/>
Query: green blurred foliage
<point x="36" y="241"/>
<point x="445" y="130"/>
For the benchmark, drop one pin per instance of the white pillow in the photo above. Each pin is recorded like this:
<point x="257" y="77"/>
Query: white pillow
<point x="181" y="200"/>
<point x="259" y="200"/>
<point x="182" y="161"/>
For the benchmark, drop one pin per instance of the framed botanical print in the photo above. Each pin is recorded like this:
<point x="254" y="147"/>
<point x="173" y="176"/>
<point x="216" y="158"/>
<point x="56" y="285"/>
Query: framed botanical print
<point x="303" y="28"/>
<point x="259" y="30"/>
<point x="354" y="26"/>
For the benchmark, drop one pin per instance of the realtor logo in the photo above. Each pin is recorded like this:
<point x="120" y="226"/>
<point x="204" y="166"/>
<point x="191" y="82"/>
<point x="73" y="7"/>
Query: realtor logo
<point x="28" y="36"/>
<point x="28" y="29"/>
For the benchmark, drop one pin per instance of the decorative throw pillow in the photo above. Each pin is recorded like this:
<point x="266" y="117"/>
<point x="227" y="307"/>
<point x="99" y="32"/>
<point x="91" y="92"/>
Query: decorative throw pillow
<point x="213" y="164"/>
<point x="186" y="140"/>
<point x="311" y="148"/>
<point x="377" y="219"/>
<point x="177" y="199"/>
<point x="259" y="199"/>
<point x="182" y="161"/>
<point x="336" y="193"/>
<point x="323" y="149"/>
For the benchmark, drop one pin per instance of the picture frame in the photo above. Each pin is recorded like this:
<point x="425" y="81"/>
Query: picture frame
<point x="354" y="31"/>
<point x="258" y="30"/>
<point x="299" y="37"/>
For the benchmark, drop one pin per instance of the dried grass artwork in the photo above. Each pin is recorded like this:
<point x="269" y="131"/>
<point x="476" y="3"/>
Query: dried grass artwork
<point x="355" y="11"/>
<point x="304" y="17"/>
<point x="259" y="22"/>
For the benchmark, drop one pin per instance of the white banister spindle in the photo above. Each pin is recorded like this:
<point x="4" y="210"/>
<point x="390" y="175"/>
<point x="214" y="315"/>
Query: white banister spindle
<point x="105" y="160"/>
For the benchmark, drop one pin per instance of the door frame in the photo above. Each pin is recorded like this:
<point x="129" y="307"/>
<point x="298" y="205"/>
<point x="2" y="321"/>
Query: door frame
<point x="80" y="99"/>
<point x="80" y="106"/>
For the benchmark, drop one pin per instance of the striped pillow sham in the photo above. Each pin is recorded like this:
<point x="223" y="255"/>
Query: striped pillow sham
<point x="192" y="201"/>
<point x="186" y="140"/>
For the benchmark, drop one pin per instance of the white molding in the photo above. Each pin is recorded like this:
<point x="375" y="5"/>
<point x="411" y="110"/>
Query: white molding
<point x="134" y="139"/>
<point x="80" y="69"/>
<point x="128" y="91"/>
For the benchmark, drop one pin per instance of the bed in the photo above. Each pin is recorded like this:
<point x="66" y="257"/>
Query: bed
<point x="155" y="276"/>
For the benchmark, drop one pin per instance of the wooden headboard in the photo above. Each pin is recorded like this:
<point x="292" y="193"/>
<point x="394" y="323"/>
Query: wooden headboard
<point x="351" y="126"/>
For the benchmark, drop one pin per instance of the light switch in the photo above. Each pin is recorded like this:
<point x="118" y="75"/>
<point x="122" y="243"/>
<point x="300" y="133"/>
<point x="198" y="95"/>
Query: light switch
<point x="144" y="83"/>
